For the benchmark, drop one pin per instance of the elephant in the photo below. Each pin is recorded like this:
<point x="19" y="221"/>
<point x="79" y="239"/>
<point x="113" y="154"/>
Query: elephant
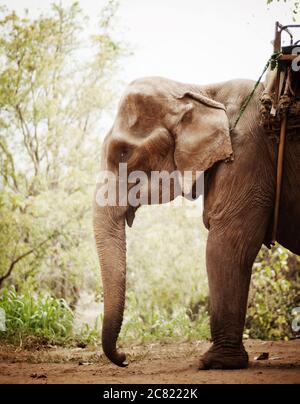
<point x="165" y="125"/>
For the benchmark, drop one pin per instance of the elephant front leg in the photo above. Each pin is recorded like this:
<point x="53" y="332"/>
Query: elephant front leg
<point x="230" y="256"/>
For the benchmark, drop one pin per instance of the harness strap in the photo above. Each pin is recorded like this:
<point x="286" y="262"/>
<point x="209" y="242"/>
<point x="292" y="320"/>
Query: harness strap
<point x="273" y="61"/>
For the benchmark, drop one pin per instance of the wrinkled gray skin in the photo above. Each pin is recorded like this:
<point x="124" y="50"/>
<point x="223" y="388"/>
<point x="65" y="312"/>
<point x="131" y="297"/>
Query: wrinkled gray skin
<point x="164" y="125"/>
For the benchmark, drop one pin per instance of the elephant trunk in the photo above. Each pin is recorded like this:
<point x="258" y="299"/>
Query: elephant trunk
<point x="109" y="228"/>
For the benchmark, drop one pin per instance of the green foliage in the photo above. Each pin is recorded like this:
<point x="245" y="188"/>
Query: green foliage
<point x="167" y="285"/>
<point x="274" y="294"/>
<point x="143" y="325"/>
<point x="28" y="315"/>
<point x="55" y="83"/>
<point x="47" y="319"/>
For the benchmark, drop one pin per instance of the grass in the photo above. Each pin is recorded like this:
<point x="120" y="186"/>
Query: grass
<point x="146" y="323"/>
<point x="33" y="320"/>
<point x="28" y="315"/>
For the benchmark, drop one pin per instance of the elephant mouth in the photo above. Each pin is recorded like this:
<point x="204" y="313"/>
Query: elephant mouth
<point x="130" y="215"/>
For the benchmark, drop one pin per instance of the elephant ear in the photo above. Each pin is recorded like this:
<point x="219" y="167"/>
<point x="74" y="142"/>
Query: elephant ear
<point x="202" y="135"/>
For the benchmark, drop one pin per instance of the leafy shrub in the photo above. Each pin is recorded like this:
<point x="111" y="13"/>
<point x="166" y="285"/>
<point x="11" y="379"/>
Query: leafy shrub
<point x="274" y="295"/>
<point x="41" y="316"/>
<point x="162" y="324"/>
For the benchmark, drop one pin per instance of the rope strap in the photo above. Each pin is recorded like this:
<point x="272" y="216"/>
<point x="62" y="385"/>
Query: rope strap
<point x="273" y="61"/>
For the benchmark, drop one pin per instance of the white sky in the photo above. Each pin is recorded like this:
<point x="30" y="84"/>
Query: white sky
<point x="199" y="41"/>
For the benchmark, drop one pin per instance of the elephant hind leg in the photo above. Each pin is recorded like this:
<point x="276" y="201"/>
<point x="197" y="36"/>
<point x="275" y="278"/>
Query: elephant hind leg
<point x="231" y="252"/>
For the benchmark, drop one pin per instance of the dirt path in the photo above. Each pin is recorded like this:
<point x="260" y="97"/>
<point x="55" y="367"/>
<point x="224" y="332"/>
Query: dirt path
<point x="175" y="363"/>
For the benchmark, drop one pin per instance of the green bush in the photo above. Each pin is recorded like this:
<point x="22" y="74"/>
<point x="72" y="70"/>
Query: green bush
<point x="274" y="295"/>
<point x="45" y="317"/>
<point x="153" y="323"/>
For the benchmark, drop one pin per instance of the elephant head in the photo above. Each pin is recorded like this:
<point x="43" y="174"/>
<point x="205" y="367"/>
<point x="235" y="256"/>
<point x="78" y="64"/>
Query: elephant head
<point x="161" y="125"/>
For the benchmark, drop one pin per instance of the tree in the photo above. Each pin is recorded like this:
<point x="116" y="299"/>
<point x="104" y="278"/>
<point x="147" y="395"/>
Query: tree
<point x="55" y="83"/>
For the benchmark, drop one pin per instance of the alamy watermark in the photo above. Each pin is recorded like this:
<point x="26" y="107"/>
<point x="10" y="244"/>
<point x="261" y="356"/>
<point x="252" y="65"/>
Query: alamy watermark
<point x="296" y="321"/>
<point x="138" y="188"/>
<point x="2" y="320"/>
<point x="296" y="62"/>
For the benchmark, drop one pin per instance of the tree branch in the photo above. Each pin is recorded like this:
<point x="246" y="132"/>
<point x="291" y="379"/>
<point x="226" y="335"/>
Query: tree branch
<point x="11" y="161"/>
<point x="18" y="259"/>
<point x="27" y="139"/>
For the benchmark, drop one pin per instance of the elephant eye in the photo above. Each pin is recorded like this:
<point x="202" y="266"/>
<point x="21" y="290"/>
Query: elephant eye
<point x="120" y="152"/>
<point x="123" y="154"/>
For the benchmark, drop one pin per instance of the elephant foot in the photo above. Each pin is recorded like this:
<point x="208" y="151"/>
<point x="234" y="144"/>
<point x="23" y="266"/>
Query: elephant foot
<point x="224" y="358"/>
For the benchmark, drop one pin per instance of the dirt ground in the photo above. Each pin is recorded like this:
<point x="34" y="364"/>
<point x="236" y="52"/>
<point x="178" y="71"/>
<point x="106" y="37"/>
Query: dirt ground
<point x="170" y="363"/>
